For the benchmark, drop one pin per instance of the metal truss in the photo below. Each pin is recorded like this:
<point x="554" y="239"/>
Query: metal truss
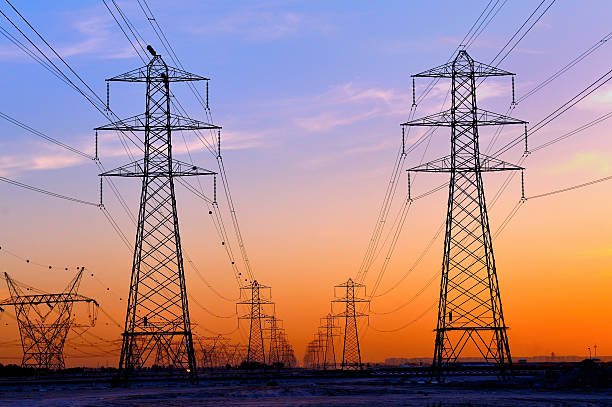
<point x="287" y="355"/>
<point x="44" y="321"/>
<point x="274" y="345"/>
<point x="157" y="324"/>
<point x="329" y="330"/>
<point x="470" y="312"/>
<point x="351" y="352"/>
<point x="256" y="299"/>
<point x="215" y="351"/>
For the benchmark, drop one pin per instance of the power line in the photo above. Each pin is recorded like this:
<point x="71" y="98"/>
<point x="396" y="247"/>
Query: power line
<point x="44" y="136"/>
<point x="598" y="83"/>
<point x="571" y="188"/>
<point x="45" y="192"/>
<point x="566" y="67"/>
<point x="168" y="47"/>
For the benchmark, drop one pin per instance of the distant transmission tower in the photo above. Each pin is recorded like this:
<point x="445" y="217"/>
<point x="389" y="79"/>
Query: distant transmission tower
<point x="287" y="354"/>
<point x="157" y="319"/>
<point x="329" y="331"/>
<point x="351" y="351"/>
<point x="274" y="353"/>
<point x="215" y="351"/>
<point x="470" y="309"/>
<point x="256" y="300"/>
<point x="44" y="321"/>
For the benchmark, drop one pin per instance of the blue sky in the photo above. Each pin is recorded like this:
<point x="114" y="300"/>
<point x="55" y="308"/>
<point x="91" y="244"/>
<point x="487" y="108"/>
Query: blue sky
<point x="310" y="95"/>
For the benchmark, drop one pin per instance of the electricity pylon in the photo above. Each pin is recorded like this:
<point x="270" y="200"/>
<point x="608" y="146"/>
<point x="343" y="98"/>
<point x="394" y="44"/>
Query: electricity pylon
<point x="274" y="327"/>
<point x="329" y="330"/>
<point x="215" y="352"/>
<point x="256" y="299"/>
<point x="157" y="318"/>
<point x="351" y="351"/>
<point x="287" y="355"/>
<point x="44" y="321"/>
<point x="470" y="308"/>
<point x="311" y="357"/>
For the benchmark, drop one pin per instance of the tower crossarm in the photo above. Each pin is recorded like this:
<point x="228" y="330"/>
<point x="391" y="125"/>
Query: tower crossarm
<point x="466" y="164"/>
<point x="140" y="75"/>
<point x="463" y="65"/>
<point x="37" y="299"/>
<point x="137" y="169"/>
<point x="139" y="123"/>
<point x="464" y="117"/>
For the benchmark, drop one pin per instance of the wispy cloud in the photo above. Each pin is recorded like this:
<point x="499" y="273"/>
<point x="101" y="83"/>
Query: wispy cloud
<point x="593" y="161"/>
<point x="96" y="32"/>
<point x="258" y="24"/>
<point x="323" y="160"/>
<point x="600" y="100"/>
<point x="18" y="163"/>
<point x="346" y="104"/>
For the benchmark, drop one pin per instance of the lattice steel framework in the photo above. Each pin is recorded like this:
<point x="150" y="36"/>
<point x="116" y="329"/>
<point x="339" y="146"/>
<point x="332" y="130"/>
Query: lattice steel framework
<point x="256" y="299"/>
<point x="470" y="308"/>
<point x="215" y="351"/>
<point x="44" y="321"/>
<point x="274" y="345"/>
<point x="286" y="350"/>
<point x="157" y="318"/>
<point x="329" y="330"/>
<point x="351" y="351"/>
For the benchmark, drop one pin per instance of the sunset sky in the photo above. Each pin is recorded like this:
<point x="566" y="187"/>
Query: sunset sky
<point x="310" y="95"/>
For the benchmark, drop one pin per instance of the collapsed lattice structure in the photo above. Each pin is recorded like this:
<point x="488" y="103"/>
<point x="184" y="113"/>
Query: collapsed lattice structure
<point x="45" y="319"/>
<point x="470" y="309"/>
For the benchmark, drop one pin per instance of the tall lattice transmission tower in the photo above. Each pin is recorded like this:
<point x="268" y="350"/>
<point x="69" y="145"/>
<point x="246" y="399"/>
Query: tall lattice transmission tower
<point x="157" y="318"/>
<point x="286" y="350"/>
<point x="470" y="316"/>
<point x="329" y="330"/>
<point x="351" y="351"/>
<point x="256" y="297"/>
<point x="44" y="321"/>
<point x="274" y="328"/>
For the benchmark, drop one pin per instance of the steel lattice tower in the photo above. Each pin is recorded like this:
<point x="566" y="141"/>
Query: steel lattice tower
<point x="329" y="330"/>
<point x="351" y="352"/>
<point x="256" y="300"/>
<point x="470" y="308"/>
<point x="44" y="321"/>
<point x="274" y="353"/>
<point x="157" y="318"/>
<point x="287" y="355"/>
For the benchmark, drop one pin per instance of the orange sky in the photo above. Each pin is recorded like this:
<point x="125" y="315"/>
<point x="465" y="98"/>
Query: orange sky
<point x="308" y="162"/>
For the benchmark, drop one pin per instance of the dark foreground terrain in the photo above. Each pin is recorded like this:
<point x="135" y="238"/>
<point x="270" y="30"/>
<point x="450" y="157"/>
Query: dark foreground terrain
<point x="387" y="389"/>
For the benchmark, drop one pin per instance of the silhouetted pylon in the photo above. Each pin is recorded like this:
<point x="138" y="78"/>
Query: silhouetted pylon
<point x="329" y="330"/>
<point x="286" y="353"/>
<point x="157" y="317"/>
<point x="274" y="327"/>
<point x="470" y="309"/>
<point x="44" y="321"/>
<point x="351" y="351"/>
<point x="255" y="299"/>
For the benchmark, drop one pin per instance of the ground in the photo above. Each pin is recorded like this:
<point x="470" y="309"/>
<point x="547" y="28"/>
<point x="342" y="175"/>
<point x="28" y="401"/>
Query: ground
<point x="303" y="391"/>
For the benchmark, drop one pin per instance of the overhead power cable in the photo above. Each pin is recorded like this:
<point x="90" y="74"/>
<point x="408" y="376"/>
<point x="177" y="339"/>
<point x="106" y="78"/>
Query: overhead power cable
<point x="44" y="136"/>
<point x="223" y="175"/>
<point x="566" y="67"/>
<point x="45" y="192"/>
<point x="598" y="83"/>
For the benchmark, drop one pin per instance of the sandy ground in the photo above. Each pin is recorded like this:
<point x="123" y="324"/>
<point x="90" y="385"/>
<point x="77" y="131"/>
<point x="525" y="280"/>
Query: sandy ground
<point x="303" y="392"/>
